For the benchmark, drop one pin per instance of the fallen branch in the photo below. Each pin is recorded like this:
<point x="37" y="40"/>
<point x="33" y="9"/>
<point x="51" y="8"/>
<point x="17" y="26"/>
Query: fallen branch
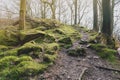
<point x="83" y="71"/>
<point x="105" y="68"/>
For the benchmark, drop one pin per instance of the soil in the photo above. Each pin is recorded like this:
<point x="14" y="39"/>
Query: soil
<point x="79" y="68"/>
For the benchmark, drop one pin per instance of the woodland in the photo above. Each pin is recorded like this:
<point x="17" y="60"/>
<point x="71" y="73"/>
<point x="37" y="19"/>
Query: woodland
<point x="59" y="40"/>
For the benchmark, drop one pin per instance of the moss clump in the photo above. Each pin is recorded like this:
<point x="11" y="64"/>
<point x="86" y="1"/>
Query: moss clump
<point x="31" y="49"/>
<point x="65" y="42"/>
<point x="76" y="52"/>
<point x="94" y="38"/>
<point x="48" y="38"/>
<point x="8" y="61"/>
<point x="29" y="35"/>
<point x="23" y="70"/>
<point x="97" y="47"/>
<point x="3" y="48"/>
<point x="108" y="54"/>
<point x="12" y="52"/>
<point x="8" y="37"/>
<point x="104" y="52"/>
<point x="51" y="48"/>
<point x="49" y="57"/>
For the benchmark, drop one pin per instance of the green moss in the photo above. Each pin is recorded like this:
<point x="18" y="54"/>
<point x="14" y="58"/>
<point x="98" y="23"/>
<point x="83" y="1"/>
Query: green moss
<point x="93" y="38"/>
<point x="3" y="48"/>
<point x="97" y="47"/>
<point x="104" y="52"/>
<point x="8" y="61"/>
<point x="31" y="34"/>
<point x="108" y="54"/>
<point x="25" y="58"/>
<point x="49" y="57"/>
<point x="12" y="52"/>
<point x="23" y="70"/>
<point x="51" y="48"/>
<point x="65" y="42"/>
<point x="8" y="37"/>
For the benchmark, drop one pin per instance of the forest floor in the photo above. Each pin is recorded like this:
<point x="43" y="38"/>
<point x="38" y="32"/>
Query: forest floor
<point x="90" y="67"/>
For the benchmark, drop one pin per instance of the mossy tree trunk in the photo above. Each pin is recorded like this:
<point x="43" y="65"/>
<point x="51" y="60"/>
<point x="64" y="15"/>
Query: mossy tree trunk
<point x="22" y="14"/>
<point x="107" y="27"/>
<point x="95" y="16"/>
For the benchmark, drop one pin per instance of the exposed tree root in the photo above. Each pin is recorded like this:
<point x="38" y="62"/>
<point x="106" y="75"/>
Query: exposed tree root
<point x="83" y="71"/>
<point x="105" y="68"/>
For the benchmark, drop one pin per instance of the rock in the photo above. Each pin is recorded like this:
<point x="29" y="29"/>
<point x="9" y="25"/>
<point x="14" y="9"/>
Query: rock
<point x="76" y="52"/>
<point x="65" y="42"/>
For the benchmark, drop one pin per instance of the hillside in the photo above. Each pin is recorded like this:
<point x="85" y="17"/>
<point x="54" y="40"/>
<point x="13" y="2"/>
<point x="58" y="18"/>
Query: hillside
<point x="50" y="50"/>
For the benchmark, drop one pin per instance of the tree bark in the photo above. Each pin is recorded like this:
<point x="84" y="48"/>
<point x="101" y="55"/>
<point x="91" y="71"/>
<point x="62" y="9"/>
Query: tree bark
<point x="107" y="27"/>
<point x="95" y="16"/>
<point x="75" y="22"/>
<point x="22" y="14"/>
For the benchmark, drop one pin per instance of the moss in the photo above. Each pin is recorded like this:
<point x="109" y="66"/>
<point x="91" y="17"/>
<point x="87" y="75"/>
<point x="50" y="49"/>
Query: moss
<point x="8" y="61"/>
<point x="65" y="42"/>
<point x="104" y="52"/>
<point x="51" y="48"/>
<point x="108" y="54"/>
<point x="25" y="58"/>
<point x="97" y="47"/>
<point x="31" y="34"/>
<point x="8" y="37"/>
<point x="23" y="70"/>
<point x="3" y="48"/>
<point x="30" y="47"/>
<point x="76" y="52"/>
<point x="94" y="38"/>
<point x="49" y="57"/>
<point x="12" y="52"/>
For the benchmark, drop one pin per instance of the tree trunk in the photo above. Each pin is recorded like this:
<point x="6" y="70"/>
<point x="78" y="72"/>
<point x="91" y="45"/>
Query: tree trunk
<point x="106" y="27"/>
<point x="22" y="14"/>
<point x="95" y="16"/>
<point x="75" y="22"/>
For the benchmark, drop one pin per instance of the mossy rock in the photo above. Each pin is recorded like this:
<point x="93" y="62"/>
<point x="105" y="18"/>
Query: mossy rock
<point x="29" y="35"/>
<point x="32" y="49"/>
<point x="8" y="38"/>
<point x="8" y="61"/>
<point x="94" y="38"/>
<point x="65" y="42"/>
<point x="48" y="38"/>
<point x="76" y="52"/>
<point x="49" y="57"/>
<point x="51" y="48"/>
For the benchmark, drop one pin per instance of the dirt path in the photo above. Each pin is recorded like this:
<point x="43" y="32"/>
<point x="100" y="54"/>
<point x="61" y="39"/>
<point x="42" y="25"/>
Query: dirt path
<point x="79" y="68"/>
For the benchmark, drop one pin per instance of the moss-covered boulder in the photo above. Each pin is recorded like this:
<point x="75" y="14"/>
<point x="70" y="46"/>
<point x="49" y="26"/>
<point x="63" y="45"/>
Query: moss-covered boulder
<point x="31" y="49"/>
<point x="48" y="38"/>
<point x="8" y="37"/>
<point x="29" y="35"/>
<point x="65" y="42"/>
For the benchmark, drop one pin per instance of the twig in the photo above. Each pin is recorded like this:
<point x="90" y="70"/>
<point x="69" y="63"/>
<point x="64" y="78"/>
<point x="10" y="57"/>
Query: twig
<point x="83" y="71"/>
